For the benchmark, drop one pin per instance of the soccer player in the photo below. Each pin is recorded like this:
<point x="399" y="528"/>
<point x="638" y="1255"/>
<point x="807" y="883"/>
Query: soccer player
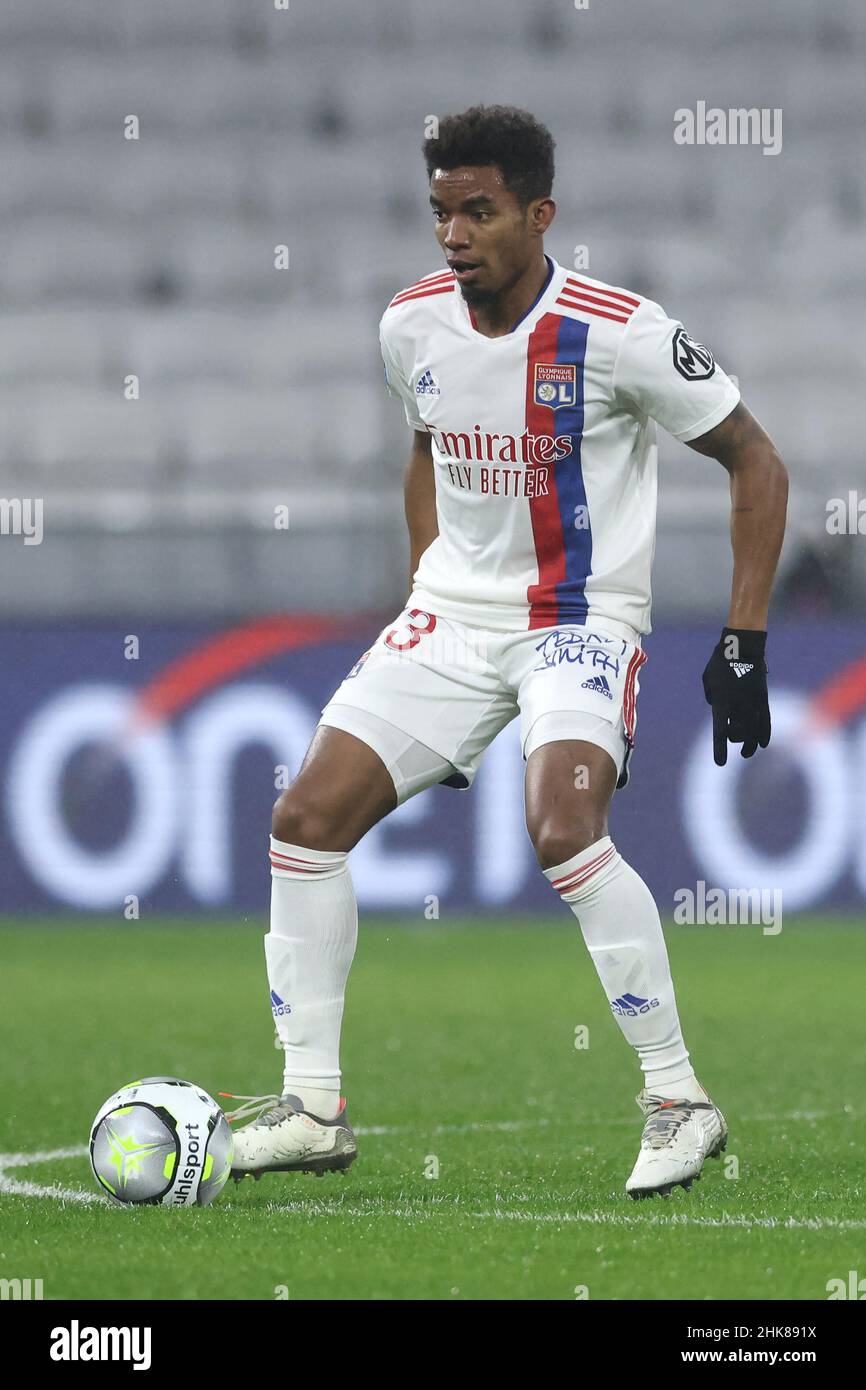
<point x="533" y="395"/>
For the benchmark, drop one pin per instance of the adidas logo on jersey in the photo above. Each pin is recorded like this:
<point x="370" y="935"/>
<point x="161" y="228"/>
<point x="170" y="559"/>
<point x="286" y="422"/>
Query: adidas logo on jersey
<point x="599" y="684"/>
<point x="427" y="385"/>
<point x="742" y="668"/>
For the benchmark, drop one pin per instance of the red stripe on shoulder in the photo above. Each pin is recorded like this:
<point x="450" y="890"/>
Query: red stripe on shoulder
<point x="598" y="300"/>
<point x="438" y="277"/>
<point x="573" y="283"/>
<point x="596" y="313"/>
<point x="420" y="294"/>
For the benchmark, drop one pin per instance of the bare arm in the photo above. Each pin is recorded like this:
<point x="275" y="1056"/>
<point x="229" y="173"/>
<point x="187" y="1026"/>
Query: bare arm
<point x="420" y="500"/>
<point x="759" y="498"/>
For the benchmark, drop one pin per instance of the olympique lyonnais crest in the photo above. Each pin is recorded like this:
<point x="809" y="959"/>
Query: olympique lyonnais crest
<point x="555" y="384"/>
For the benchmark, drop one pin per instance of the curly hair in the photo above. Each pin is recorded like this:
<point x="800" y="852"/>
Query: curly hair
<point x="513" y="140"/>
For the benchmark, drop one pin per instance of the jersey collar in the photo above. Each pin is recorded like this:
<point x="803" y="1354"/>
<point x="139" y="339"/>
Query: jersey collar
<point x="552" y="269"/>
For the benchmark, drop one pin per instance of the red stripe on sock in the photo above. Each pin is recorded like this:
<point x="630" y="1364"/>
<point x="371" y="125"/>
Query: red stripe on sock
<point x="580" y="875"/>
<point x="297" y="866"/>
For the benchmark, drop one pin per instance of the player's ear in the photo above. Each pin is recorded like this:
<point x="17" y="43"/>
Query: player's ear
<point x="541" y="213"/>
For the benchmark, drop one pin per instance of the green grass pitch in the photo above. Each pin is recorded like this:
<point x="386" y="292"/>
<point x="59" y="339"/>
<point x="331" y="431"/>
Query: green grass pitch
<point x="459" y="1054"/>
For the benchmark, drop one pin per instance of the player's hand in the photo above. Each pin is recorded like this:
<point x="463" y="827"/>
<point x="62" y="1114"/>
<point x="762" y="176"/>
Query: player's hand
<point x="735" y="685"/>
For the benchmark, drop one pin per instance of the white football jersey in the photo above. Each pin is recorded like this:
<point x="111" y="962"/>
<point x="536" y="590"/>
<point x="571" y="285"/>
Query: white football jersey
<point x="544" y="447"/>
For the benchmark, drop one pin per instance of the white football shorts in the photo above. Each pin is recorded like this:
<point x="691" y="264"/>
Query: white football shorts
<point x="431" y="694"/>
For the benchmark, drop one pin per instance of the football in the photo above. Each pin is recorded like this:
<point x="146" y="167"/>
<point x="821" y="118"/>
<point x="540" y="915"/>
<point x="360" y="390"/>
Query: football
<point x="161" y="1142"/>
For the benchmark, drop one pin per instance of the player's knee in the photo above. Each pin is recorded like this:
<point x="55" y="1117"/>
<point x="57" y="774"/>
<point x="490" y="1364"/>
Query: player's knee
<point x="556" y="843"/>
<point x="296" y="822"/>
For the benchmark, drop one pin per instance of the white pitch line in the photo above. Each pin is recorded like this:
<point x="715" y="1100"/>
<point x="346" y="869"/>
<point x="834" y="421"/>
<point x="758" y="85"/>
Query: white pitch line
<point x="14" y="1187"/>
<point x="41" y="1156"/>
<point x="509" y="1126"/>
<point x="592" y="1218"/>
<point x="10" y="1187"/>
<point x="745" y="1223"/>
<point x="469" y="1127"/>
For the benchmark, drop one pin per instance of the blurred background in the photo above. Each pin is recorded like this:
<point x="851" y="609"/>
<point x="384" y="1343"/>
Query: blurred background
<point x="165" y="386"/>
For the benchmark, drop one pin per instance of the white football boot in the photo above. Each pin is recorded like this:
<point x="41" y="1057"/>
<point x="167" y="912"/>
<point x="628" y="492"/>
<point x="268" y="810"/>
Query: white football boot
<point x="677" y="1136"/>
<point x="286" y="1138"/>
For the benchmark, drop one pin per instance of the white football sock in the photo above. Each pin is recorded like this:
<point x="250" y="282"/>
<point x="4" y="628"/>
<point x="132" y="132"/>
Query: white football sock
<point x="621" y="927"/>
<point x="309" y="951"/>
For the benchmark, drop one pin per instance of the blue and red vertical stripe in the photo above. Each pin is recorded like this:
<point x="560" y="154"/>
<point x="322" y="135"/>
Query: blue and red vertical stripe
<point x="563" y="549"/>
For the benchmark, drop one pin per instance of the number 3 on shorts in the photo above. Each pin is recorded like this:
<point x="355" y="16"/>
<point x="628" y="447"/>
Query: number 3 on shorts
<point x="413" y="629"/>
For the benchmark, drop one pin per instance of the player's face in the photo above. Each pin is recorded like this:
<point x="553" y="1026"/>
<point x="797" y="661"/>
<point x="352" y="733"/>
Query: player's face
<point x="488" y="239"/>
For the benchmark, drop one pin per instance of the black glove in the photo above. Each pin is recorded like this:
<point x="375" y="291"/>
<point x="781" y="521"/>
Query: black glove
<point x="735" y="684"/>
